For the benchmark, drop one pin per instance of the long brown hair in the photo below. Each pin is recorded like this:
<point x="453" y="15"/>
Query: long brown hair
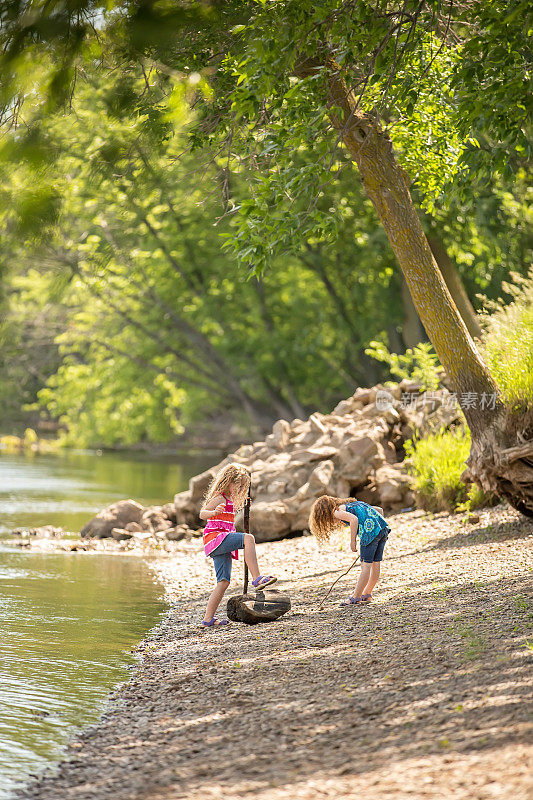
<point x="235" y="474"/>
<point x="322" y="523"/>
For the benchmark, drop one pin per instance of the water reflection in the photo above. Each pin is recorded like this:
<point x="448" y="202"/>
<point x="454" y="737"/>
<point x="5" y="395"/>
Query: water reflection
<point x="66" y="625"/>
<point x="67" y="489"/>
<point x="67" y="621"/>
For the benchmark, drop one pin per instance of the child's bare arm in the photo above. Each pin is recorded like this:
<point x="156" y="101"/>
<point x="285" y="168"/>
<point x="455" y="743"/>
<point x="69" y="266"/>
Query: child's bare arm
<point x="213" y="507"/>
<point x="378" y="509"/>
<point x="341" y="513"/>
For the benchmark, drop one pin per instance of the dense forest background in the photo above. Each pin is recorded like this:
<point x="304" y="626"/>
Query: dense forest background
<point x="127" y="318"/>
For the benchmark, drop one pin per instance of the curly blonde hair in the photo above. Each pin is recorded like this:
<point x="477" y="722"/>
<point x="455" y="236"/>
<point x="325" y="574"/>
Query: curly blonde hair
<point x="322" y="523"/>
<point x="235" y="474"/>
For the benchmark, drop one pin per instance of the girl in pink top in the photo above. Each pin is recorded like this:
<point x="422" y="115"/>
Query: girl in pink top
<point x="227" y="492"/>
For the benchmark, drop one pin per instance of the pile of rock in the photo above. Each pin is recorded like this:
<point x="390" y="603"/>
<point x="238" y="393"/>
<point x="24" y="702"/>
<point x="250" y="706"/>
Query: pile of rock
<point x="356" y="451"/>
<point x="128" y="519"/>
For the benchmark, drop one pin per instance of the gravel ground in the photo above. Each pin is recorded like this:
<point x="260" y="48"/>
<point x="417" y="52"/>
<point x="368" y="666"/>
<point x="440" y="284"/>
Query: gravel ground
<point x="422" y="694"/>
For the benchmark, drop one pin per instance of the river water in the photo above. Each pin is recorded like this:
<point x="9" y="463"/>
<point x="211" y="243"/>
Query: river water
<point x="69" y="621"/>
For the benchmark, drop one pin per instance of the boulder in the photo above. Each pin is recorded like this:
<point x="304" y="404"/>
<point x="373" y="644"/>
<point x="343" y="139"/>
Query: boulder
<point x="350" y="406"/>
<point x="169" y="510"/>
<point x="320" y="479"/>
<point x="186" y="510"/>
<point x="133" y="527"/>
<point x="199" y="484"/>
<point x="281" y="431"/>
<point x="269" y="521"/>
<point x="117" y="515"/>
<point x="121" y="534"/>
<point x="153" y="519"/>
<point x="177" y="533"/>
<point x="358" y="457"/>
<point x="392" y="486"/>
<point x="354" y="451"/>
<point x="366" y="396"/>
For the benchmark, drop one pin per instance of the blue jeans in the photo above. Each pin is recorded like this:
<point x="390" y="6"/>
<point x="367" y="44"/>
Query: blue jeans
<point x="221" y="555"/>
<point x="373" y="551"/>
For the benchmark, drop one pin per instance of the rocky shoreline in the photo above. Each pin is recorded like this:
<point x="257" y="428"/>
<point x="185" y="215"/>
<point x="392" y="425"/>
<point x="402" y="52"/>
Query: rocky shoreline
<point x="422" y="694"/>
<point x="355" y="451"/>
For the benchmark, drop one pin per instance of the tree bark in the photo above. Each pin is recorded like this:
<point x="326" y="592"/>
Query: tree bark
<point x="493" y="427"/>
<point x="412" y="331"/>
<point x="384" y="182"/>
<point x="455" y="285"/>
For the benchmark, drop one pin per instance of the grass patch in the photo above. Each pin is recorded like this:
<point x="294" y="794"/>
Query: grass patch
<point x="436" y="464"/>
<point x="507" y="343"/>
<point x="474" y="642"/>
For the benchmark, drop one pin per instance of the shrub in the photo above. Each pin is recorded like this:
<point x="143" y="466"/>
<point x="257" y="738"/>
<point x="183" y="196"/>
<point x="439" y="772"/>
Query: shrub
<point x="436" y="464"/>
<point x="419" y="363"/>
<point x="507" y="343"/>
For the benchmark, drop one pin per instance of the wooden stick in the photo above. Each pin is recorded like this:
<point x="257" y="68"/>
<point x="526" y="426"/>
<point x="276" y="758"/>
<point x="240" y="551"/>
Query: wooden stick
<point x="336" y="581"/>
<point x="246" y="530"/>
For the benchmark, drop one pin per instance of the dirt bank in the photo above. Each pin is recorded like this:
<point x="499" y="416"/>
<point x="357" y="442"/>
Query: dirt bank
<point x="423" y="694"/>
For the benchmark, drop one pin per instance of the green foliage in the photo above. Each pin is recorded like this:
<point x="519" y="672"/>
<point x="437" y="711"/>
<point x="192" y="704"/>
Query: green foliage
<point x="492" y="81"/>
<point x="436" y="464"/>
<point x="156" y="326"/>
<point x="28" y="355"/>
<point x="477" y="498"/>
<point x="508" y="343"/>
<point x="121" y="118"/>
<point x="110" y="401"/>
<point x="437" y="461"/>
<point x="420" y="363"/>
<point x="450" y="82"/>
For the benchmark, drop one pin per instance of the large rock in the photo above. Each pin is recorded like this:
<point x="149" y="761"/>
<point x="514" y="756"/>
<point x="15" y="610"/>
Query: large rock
<point x="356" y="451"/>
<point x="269" y="521"/>
<point x="121" y="534"/>
<point x="187" y="504"/>
<point x="321" y="478"/>
<point x="199" y="484"/>
<point x="117" y="515"/>
<point x="169" y="510"/>
<point x="393" y="486"/>
<point x="153" y="519"/>
<point x="186" y="510"/>
<point x="177" y="533"/>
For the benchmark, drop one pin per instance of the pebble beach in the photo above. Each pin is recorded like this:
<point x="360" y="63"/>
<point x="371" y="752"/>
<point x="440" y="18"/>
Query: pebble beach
<point x="424" y="693"/>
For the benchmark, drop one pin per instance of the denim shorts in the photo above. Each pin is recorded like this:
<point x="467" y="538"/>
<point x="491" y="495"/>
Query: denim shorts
<point x="221" y="555"/>
<point x="373" y="551"/>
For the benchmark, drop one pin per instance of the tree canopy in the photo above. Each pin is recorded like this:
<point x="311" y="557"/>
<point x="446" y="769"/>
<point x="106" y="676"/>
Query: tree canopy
<point x="237" y="113"/>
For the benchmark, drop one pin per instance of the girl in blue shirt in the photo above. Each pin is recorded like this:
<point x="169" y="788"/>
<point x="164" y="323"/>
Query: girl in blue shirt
<point x="367" y="522"/>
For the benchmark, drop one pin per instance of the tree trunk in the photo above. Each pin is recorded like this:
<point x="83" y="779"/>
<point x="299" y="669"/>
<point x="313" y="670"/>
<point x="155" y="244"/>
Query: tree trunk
<point x="495" y="462"/>
<point x="455" y="285"/>
<point x="412" y="331"/>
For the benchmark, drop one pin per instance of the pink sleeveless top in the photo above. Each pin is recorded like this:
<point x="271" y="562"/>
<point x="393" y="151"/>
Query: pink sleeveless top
<point x="218" y="527"/>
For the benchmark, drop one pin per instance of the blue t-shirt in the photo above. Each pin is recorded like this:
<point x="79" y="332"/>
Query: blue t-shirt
<point x="371" y="523"/>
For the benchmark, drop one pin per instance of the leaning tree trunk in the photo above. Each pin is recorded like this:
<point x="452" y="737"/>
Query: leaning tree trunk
<point x="500" y="460"/>
<point x="455" y="285"/>
<point x="412" y="330"/>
